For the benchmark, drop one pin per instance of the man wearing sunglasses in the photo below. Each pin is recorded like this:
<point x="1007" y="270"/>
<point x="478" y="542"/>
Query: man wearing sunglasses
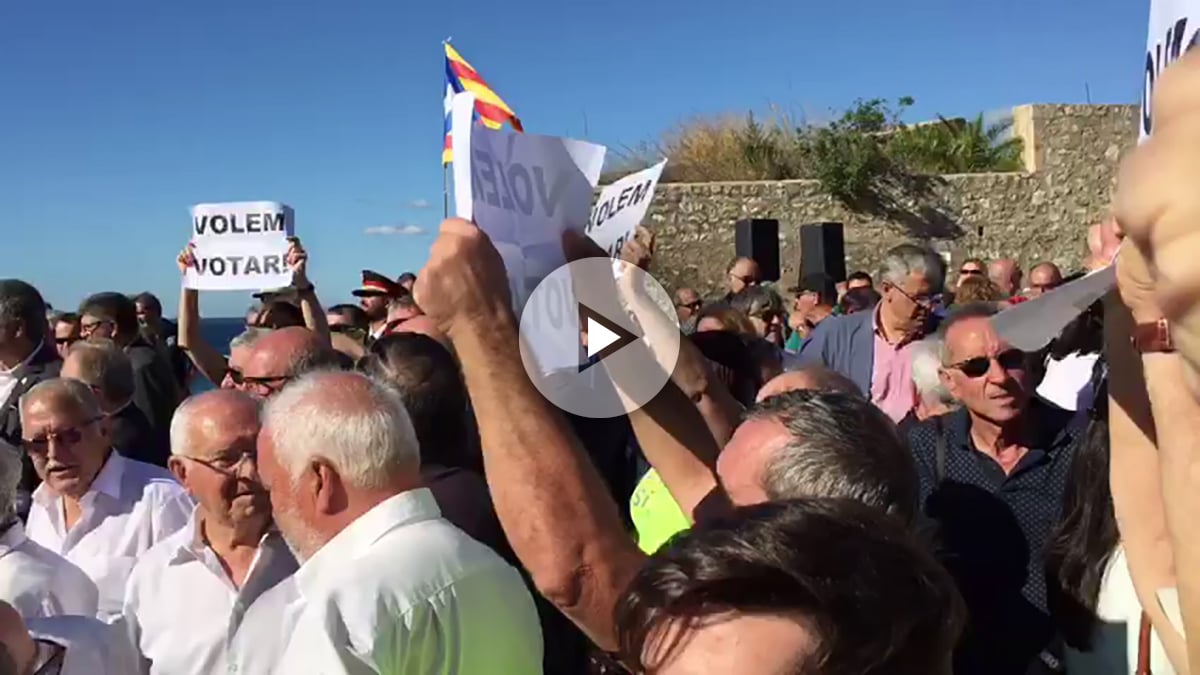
<point x="687" y="304"/>
<point x="94" y="507"/>
<point x="196" y="602"/>
<point x="874" y="348"/>
<point x="992" y="475"/>
<point x="280" y="356"/>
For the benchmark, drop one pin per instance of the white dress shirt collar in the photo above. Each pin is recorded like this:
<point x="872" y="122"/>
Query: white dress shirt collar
<point x="406" y="508"/>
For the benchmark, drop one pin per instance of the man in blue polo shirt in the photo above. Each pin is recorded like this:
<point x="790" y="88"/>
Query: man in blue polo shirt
<point x="992" y="477"/>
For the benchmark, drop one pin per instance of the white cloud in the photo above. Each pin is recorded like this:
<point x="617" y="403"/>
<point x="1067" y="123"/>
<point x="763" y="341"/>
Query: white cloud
<point x="407" y="230"/>
<point x="419" y="204"/>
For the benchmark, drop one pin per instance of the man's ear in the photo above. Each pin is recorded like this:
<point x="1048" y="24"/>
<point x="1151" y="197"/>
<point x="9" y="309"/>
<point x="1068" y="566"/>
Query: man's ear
<point x="178" y="468"/>
<point x="329" y="495"/>
<point x="948" y="382"/>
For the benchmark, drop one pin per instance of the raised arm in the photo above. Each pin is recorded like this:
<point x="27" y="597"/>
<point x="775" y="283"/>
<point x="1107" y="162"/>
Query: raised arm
<point x="551" y="502"/>
<point x="1157" y="208"/>
<point x="314" y="315"/>
<point x="208" y="361"/>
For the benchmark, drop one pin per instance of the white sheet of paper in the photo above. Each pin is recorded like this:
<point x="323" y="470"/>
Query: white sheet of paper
<point x="240" y="246"/>
<point x="1031" y="325"/>
<point x="621" y="207"/>
<point x="1174" y="25"/>
<point x="524" y="191"/>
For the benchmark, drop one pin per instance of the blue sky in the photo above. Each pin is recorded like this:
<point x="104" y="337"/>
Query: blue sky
<point x="117" y="115"/>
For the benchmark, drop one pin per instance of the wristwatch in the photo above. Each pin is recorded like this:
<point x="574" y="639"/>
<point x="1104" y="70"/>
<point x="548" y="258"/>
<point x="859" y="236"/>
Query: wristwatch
<point x="1153" y="337"/>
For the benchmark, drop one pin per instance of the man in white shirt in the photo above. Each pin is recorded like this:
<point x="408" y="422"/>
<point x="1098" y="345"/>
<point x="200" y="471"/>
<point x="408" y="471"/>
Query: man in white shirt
<point x="386" y="584"/>
<point x="63" y="645"/>
<point x="94" y="507"/>
<point x="188" y="597"/>
<point x="34" y="580"/>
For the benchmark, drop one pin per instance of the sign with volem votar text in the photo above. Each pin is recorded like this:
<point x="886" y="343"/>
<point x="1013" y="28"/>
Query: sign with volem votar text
<point x="621" y="207"/>
<point x="240" y="246"/>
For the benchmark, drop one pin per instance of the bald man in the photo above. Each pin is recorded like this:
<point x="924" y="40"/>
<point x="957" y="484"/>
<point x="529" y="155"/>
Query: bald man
<point x="1043" y="277"/>
<point x="281" y="356"/>
<point x="816" y="378"/>
<point x="197" y="602"/>
<point x="424" y="325"/>
<point x="1006" y="274"/>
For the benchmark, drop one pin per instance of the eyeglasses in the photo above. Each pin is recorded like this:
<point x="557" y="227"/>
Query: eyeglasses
<point x="86" y="328"/>
<point x="694" y="305"/>
<point x="66" y="340"/>
<point x="1012" y="359"/>
<point x="227" y="464"/>
<point x="64" y="437"/>
<point x="971" y="272"/>
<point x="240" y="379"/>
<point x="749" y="281"/>
<point x="925" y="302"/>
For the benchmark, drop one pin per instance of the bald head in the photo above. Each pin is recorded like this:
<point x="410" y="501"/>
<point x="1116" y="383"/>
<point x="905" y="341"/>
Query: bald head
<point x="1006" y="274"/>
<point x="205" y="419"/>
<point x="815" y="378"/>
<point x="423" y="325"/>
<point x="1044" y="277"/>
<point x="17" y="651"/>
<point x="282" y="355"/>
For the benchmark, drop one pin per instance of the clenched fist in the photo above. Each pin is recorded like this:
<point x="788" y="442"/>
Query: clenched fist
<point x="463" y="286"/>
<point x="1158" y="202"/>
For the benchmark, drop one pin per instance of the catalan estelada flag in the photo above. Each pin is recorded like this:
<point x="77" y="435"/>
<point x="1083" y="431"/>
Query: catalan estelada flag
<point x="489" y="107"/>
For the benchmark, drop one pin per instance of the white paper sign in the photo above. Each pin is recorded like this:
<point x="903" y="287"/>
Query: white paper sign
<point x="1031" y="325"/>
<point x="524" y="191"/>
<point x="240" y="246"/>
<point x="621" y="207"/>
<point x="1174" y="26"/>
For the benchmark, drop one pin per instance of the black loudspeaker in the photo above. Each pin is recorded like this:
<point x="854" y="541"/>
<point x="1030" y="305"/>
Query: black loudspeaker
<point x="759" y="239"/>
<point x="823" y="250"/>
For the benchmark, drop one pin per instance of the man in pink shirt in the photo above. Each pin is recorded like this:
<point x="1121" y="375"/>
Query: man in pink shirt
<point x="874" y="348"/>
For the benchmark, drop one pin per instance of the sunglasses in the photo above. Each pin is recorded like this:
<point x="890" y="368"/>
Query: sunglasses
<point x="971" y="272"/>
<point x="236" y="377"/>
<point x="1012" y="359"/>
<point x="66" y="340"/>
<point x="64" y="437"/>
<point x="690" y="305"/>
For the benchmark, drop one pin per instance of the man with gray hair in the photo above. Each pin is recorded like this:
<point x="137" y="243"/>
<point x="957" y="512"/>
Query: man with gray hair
<point x="198" y="601"/>
<point x="874" y="349"/>
<point x="933" y="398"/>
<point x="94" y="507"/>
<point x="813" y="443"/>
<point x="407" y="591"/>
<point x="104" y="367"/>
<point x="36" y="581"/>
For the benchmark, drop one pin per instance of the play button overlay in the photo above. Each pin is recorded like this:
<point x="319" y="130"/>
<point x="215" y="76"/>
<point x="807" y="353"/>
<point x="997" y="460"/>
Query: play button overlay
<point x="599" y="338"/>
<point x="604" y="337"/>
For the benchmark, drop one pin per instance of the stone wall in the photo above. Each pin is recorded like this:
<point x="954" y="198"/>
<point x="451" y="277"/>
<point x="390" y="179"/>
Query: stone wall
<point x="1072" y="154"/>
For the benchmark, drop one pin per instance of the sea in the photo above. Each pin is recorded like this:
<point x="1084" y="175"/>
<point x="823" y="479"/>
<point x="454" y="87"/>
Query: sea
<point x="218" y="333"/>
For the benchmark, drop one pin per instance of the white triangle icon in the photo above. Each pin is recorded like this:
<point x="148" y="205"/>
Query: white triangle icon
<point x="598" y="337"/>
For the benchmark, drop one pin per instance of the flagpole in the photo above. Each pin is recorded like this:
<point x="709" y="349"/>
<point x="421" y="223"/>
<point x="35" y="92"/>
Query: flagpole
<point x="445" y="192"/>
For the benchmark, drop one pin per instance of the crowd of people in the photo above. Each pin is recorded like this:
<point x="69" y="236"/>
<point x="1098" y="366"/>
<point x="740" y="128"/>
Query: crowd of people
<point x="868" y="480"/>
